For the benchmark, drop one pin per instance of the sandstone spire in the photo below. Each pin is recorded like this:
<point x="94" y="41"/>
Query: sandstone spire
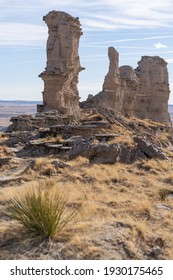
<point x="130" y="88"/>
<point x="111" y="95"/>
<point x="63" y="66"/>
<point x="153" y="95"/>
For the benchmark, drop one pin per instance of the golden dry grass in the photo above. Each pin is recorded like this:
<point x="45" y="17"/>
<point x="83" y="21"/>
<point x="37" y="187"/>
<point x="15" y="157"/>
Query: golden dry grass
<point x="4" y="151"/>
<point x="125" y="195"/>
<point x="121" y="209"/>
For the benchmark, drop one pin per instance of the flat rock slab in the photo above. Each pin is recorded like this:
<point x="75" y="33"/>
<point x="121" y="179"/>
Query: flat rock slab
<point x="102" y="136"/>
<point x="65" y="148"/>
<point x="53" y="145"/>
<point x="97" y="124"/>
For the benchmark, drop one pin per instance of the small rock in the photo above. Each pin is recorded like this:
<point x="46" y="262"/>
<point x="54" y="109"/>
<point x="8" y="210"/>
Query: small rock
<point x="59" y="164"/>
<point x="156" y="251"/>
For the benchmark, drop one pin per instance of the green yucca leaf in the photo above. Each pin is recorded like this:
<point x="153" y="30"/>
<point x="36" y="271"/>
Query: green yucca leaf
<point x="40" y="211"/>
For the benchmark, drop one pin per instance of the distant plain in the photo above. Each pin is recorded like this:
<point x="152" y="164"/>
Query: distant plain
<point x="10" y="109"/>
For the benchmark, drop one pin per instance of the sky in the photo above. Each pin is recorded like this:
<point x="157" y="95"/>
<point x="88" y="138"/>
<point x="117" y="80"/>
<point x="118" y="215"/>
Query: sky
<point x="134" y="27"/>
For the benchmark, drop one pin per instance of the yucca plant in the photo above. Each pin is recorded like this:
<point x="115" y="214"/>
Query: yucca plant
<point x="40" y="211"/>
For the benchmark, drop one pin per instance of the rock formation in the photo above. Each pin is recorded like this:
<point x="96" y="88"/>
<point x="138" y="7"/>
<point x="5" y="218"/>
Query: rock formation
<point x="152" y="97"/>
<point x="143" y="92"/>
<point x="111" y="96"/>
<point x="63" y="66"/>
<point x="130" y="88"/>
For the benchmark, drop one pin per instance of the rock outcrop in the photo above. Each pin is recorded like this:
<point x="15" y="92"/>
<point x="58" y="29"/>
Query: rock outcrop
<point x="111" y="95"/>
<point x="63" y="66"/>
<point x="152" y="97"/>
<point x="143" y="92"/>
<point x="130" y="88"/>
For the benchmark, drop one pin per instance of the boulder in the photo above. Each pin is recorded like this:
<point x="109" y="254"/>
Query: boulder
<point x="149" y="149"/>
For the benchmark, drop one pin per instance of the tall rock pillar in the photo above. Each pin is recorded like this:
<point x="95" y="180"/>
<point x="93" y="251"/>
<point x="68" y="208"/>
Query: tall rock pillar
<point x="111" y="95"/>
<point x="63" y="66"/>
<point x="153" y="95"/>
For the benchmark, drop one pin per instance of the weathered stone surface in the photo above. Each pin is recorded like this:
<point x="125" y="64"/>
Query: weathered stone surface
<point x="21" y="123"/>
<point x="149" y="149"/>
<point x="153" y="95"/>
<point x="63" y="66"/>
<point x="18" y="138"/>
<point x="130" y="88"/>
<point x="110" y="153"/>
<point x="143" y="92"/>
<point x="111" y="96"/>
<point x="41" y="120"/>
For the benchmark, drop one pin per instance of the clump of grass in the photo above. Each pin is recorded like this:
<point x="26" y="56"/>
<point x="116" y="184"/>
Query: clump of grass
<point x="40" y="211"/>
<point x="43" y="166"/>
<point x="4" y="151"/>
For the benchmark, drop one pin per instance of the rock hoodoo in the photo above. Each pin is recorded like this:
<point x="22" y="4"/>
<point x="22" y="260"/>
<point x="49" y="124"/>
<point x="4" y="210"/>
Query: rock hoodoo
<point x="111" y="95"/>
<point x="63" y="65"/>
<point x="143" y="92"/>
<point x="152" y="97"/>
<point x="130" y="88"/>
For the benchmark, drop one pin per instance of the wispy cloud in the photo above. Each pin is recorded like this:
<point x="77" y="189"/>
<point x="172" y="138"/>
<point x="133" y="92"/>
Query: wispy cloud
<point x="160" y="46"/>
<point x="132" y="39"/>
<point x="97" y="14"/>
<point x="18" y="63"/>
<point x="12" y="33"/>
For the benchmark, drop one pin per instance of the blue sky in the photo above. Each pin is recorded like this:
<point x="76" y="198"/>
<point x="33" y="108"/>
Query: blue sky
<point x="134" y="27"/>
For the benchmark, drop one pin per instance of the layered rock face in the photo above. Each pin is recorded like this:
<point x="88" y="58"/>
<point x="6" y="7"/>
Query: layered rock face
<point x="63" y="65"/>
<point x="153" y="95"/>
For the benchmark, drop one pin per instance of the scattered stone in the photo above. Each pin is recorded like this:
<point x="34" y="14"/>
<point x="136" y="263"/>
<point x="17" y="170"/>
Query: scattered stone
<point x="150" y="150"/>
<point x="156" y="251"/>
<point x="59" y="164"/>
<point x="105" y="137"/>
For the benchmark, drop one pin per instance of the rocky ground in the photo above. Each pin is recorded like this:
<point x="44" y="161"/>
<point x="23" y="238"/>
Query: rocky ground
<point x="117" y="175"/>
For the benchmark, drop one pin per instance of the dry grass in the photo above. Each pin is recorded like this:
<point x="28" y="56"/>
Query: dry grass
<point x="43" y="166"/>
<point x="4" y="151"/>
<point x="125" y="139"/>
<point x="118" y="203"/>
<point x="40" y="210"/>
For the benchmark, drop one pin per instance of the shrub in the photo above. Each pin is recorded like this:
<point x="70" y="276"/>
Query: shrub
<point x="40" y="211"/>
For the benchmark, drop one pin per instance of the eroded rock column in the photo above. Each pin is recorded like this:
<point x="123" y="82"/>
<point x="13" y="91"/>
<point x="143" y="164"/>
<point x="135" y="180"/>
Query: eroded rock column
<point x="130" y="89"/>
<point x="153" y="95"/>
<point x="111" y="95"/>
<point x="63" y="65"/>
